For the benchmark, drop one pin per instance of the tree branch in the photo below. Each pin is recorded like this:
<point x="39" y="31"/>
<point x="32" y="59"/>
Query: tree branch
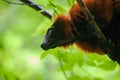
<point x="105" y="45"/>
<point x="62" y="68"/>
<point x="91" y="20"/>
<point x="37" y="8"/>
<point x="13" y="2"/>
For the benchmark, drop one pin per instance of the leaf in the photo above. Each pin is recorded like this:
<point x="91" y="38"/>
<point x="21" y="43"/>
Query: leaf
<point x="108" y="65"/>
<point x="97" y="78"/>
<point x="43" y="55"/>
<point x="48" y="6"/>
<point x="70" y="2"/>
<point x="79" y="58"/>
<point x="60" y="8"/>
<point x="75" y="78"/>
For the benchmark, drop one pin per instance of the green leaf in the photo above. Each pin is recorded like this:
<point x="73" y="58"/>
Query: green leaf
<point x="79" y="58"/>
<point x="43" y="55"/>
<point x="108" y="65"/>
<point x="70" y="2"/>
<point x="60" y="8"/>
<point x="75" y="78"/>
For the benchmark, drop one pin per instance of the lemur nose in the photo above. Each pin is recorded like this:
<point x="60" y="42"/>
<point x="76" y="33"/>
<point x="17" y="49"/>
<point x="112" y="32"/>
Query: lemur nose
<point x="43" y="46"/>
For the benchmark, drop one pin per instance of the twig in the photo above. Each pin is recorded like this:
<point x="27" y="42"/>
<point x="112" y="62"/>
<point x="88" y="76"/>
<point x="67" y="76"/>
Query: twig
<point x="33" y="5"/>
<point x="62" y="68"/>
<point x="91" y="20"/>
<point x="37" y="8"/>
<point x="105" y="45"/>
<point x="13" y="2"/>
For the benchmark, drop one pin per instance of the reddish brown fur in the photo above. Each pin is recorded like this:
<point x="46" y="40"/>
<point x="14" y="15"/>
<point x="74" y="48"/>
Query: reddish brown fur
<point x="93" y="5"/>
<point x="103" y="10"/>
<point x="116" y="4"/>
<point x="97" y="6"/>
<point x="67" y="23"/>
<point x="74" y="28"/>
<point x="89" y="48"/>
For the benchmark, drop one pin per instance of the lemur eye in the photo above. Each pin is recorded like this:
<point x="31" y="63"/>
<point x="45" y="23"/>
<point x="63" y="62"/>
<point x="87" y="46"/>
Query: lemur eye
<point x="49" y="32"/>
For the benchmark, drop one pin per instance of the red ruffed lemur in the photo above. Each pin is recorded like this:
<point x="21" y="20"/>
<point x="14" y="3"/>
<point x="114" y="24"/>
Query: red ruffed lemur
<point x="74" y="28"/>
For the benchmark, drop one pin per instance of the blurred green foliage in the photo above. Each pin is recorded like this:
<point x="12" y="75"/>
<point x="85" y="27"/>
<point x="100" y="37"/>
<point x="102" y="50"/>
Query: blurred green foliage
<point x="22" y="30"/>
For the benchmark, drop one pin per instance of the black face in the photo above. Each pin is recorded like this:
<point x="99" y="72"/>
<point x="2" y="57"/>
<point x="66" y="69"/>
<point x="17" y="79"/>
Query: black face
<point x="55" y="36"/>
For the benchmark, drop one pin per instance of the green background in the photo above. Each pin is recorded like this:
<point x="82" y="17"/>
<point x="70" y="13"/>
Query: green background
<point x="22" y="30"/>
